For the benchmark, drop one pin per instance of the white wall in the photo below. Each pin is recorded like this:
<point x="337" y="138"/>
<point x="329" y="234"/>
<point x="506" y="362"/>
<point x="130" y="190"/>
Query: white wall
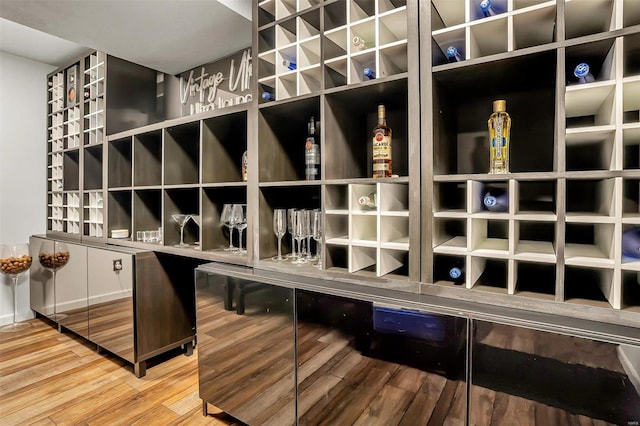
<point x="23" y="147"/>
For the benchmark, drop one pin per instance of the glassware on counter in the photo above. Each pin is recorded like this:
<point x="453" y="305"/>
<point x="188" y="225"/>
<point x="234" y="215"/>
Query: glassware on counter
<point x="239" y="221"/>
<point x="279" y="228"/>
<point x="225" y="220"/>
<point x="181" y="220"/>
<point x="316" y="231"/>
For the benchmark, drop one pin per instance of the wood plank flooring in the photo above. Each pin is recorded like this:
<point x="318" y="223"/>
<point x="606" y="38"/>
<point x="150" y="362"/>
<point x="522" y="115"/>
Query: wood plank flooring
<point x="52" y="378"/>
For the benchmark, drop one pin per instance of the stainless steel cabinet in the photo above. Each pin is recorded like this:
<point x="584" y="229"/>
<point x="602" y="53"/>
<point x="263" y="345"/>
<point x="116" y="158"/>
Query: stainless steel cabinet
<point x="135" y="304"/>
<point x="362" y="357"/>
<point x="246" y="348"/>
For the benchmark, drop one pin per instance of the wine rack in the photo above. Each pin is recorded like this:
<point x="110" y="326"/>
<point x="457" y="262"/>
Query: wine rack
<point x="572" y="190"/>
<point x="330" y="45"/>
<point x="329" y="84"/>
<point x="181" y="166"/>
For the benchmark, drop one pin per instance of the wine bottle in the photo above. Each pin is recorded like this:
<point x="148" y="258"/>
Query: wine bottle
<point x="289" y="64"/>
<point x="631" y="243"/>
<point x="312" y="153"/>
<point x="369" y="201"/>
<point x="456" y="273"/>
<point x="369" y="73"/>
<point x="496" y="200"/>
<point x="583" y="74"/>
<point x="499" y="130"/>
<point x="245" y="163"/>
<point x="382" y="146"/>
<point x="359" y="42"/>
<point x="267" y="96"/>
<point x="487" y="8"/>
<point x="453" y="55"/>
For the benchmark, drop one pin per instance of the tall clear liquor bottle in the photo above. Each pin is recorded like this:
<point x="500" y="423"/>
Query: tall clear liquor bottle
<point x="382" y="146"/>
<point x="312" y="153"/>
<point x="499" y="131"/>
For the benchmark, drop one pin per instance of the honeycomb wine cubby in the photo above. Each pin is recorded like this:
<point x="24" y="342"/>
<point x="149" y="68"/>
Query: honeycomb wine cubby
<point x="552" y="245"/>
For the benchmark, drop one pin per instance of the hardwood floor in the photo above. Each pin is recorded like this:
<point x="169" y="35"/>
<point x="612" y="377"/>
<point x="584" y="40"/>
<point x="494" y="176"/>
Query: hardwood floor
<point x="52" y="378"/>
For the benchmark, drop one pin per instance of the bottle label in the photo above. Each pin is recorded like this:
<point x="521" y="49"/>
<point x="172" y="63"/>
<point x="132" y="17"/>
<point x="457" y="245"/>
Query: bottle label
<point x="381" y="148"/>
<point x="245" y="164"/>
<point x="312" y="159"/>
<point x="490" y="201"/>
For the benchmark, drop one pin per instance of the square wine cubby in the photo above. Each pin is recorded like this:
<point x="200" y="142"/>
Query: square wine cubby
<point x="147" y="211"/>
<point x="182" y="154"/>
<point x="589" y="286"/>
<point x="180" y="201"/>
<point x="147" y="159"/>
<point x="224" y="141"/>
<point x="119" y="163"/>
<point x="631" y="290"/>
<point x="305" y="197"/>
<point x="450" y="235"/>
<point x="216" y="236"/>
<point x="350" y="117"/>
<point x="282" y="132"/>
<point x="460" y="132"/>
<point x="536" y="280"/>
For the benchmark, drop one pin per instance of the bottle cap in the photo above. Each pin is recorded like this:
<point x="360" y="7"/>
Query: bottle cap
<point x="489" y="200"/>
<point x="455" y="272"/>
<point x="380" y="110"/>
<point x="485" y="4"/>
<point x="452" y="51"/>
<point x="581" y="70"/>
<point x="500" y="105"/>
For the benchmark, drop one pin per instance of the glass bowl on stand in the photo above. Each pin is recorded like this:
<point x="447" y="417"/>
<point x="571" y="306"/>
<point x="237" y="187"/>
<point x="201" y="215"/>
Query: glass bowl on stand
<point x="14" y="260"/>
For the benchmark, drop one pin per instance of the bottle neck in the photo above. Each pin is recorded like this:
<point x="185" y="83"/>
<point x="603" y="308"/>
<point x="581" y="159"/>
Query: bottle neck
<point x="382" y="121"/>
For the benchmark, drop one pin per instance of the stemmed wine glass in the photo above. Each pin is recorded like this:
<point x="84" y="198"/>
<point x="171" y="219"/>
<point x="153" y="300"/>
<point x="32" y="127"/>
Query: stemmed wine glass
<point x="316" y="230"/>
<point x="14" y="260"/>
<point x="308" y="217"/>
<point x="225" y="219"/>
<point x="181" y="220"/>
<point x="290" y="214"/>
<point x="239" y="220"/>
<point x="299" y="234"/>
<point x="279" y="228"/>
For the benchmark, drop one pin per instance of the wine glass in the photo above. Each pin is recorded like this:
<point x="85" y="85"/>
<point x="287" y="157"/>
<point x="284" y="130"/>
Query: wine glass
<point x="239" y="220"/>
<point x="299" y="234"/>
<point x="225" y="219"/>
<point x="181" y="220"/>
<point x="14" y="260"/>
<point x="279" y="228"/>
<point x="308" y="217"/>
<point x="55" y="261"/>
<point x="196" y="218"/>
<point x="290" y="214"/>
<point x="316" y="231"/>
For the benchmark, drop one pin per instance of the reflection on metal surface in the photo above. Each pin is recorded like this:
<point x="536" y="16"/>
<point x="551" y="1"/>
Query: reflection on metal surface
<point x="353" y="370"/>
<point x="535" y="377"/>
<point x="246" y="348"/>
<point x="41" y="285"/>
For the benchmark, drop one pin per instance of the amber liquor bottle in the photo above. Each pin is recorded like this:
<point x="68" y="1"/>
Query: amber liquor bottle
<point x="312" y="153"/>
<point x="382" y="146"/>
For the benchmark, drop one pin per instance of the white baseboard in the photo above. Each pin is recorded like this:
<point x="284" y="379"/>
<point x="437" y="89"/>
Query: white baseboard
<point x="20" y="316"/>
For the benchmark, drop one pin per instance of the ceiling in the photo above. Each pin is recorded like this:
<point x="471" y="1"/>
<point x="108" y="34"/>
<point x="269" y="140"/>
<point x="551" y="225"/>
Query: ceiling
<point x="167" y="35"/>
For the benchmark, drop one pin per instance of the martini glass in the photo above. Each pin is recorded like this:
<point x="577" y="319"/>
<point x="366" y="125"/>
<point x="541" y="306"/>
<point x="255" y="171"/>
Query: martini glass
<point x="181" y="220"/>
<point x="14" y="260"/>
<point x="198" y="220"/>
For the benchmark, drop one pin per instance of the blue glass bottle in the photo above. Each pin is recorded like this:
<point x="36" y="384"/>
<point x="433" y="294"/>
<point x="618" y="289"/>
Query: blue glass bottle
<point x="583" y="74"/>
<point x="267" y="96"/>
<point x="631" y="244"/>
<point x="453" y="55"/>
<point x="291" y="65"/>
<point x="487" y="8"/>
<point x="369" y="73"/>
<point x="496" y="200"/>
<point x="456" y="273"/>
